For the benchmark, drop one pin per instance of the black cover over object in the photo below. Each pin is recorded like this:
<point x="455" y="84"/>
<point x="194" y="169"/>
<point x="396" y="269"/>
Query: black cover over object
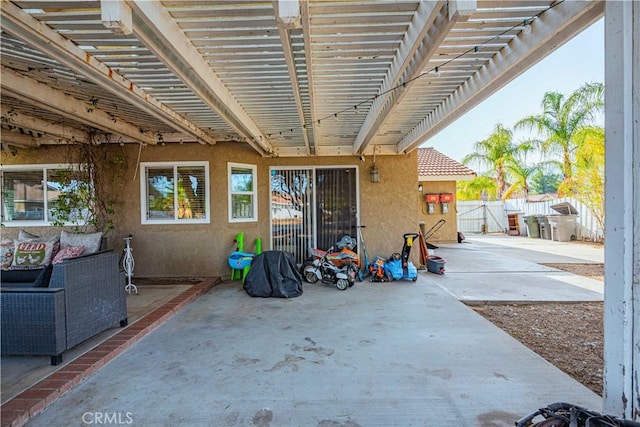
<point x="273" y="274"/>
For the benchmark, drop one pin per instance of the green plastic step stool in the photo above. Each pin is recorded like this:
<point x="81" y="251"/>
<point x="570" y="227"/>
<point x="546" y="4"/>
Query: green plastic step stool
<point x="237" y="274"/>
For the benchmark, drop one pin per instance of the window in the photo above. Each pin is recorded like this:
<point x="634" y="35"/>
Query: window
<point x="29" y="193"/>
<point x="243" y="187"/>
<point x="175" y="193"/>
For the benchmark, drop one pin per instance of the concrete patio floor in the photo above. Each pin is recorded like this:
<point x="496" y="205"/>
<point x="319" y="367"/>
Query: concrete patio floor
<point x="378" y="354"/>
<point x="21" y="372"/>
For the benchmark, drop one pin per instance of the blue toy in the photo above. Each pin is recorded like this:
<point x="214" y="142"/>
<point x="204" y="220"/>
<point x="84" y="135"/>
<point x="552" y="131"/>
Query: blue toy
<point x="240" y="261"/>
<point x="398" y="265"/>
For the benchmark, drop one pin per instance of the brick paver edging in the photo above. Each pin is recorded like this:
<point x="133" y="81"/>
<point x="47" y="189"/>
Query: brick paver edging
<point x="18" y="410"/>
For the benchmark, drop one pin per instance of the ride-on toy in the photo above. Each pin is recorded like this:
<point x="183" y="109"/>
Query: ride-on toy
<point x="343" y="254"/>
<point x="324" y="270"/>
<point x="398" y="265"/>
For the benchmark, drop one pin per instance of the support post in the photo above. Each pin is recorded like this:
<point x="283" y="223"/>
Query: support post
<point x="622" y="208"/>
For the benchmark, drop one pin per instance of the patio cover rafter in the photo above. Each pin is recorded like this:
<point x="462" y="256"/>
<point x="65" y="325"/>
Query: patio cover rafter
<point x="284" y="30"/>
<point x="549" y="32"/>
<point x="160" y="33"/>
<point x="22" y="140"/>
<point x="22" y="120"/>
<point x="426" y="31"/>
<point x="34" y="92"/>
<point x="30" y="30"/>
<point x="308" y="58"/>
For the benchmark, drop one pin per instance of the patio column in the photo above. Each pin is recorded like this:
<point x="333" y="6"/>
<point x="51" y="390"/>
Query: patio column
<point x="622" y="225"/>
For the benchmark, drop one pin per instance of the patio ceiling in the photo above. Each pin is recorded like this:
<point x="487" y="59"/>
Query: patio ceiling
<point x="289" y="78"/>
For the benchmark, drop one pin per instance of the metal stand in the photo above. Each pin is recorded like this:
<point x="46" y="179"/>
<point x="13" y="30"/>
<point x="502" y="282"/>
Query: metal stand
<point x="128" y="264"/>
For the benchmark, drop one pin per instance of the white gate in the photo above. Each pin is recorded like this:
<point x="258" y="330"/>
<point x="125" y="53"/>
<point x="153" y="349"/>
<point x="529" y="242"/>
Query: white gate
<point x="481" y="217"/>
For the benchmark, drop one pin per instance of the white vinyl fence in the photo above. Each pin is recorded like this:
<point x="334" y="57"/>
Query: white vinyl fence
<point x="492" y="216"/>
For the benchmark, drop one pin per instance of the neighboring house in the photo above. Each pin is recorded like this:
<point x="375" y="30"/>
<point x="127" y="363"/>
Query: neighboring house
<point x="437" y="177"/>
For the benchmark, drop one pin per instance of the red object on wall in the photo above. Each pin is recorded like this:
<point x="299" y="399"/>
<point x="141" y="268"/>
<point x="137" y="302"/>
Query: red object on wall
<point x="432" y="198"/>
<point x="446" y="197"/>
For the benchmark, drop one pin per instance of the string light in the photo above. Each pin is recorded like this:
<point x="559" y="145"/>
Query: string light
<point x="526" y="28"/>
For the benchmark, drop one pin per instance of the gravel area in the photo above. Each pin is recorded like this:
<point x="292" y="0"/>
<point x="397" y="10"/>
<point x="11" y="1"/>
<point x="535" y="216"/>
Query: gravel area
<point x="568" y="335"/>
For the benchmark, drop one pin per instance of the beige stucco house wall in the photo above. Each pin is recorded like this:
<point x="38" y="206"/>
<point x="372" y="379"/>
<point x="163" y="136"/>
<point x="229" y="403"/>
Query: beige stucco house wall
<point x="439" y="174"/>
<point x="448" y="233"/>
<point x="388" y="208"/>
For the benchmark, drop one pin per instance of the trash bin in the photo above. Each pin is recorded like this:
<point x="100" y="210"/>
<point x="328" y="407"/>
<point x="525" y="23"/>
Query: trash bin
<point x="545" y="229"/>
<point x="533" y="229"/>
<point x="563" y="227"/>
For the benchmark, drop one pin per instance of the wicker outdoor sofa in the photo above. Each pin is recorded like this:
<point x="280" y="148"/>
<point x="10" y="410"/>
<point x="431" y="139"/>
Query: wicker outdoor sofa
<point x="85" y="296"/>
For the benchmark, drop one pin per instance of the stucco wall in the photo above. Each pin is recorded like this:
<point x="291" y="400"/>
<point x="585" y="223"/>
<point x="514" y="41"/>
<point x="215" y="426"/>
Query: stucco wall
<point x="388" y="208"/>
<point x="448" y="233"/>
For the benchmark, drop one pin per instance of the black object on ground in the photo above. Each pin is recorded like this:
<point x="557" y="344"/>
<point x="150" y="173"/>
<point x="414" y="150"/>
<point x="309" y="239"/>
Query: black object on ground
<point x="273" y="274"/>
<point x="563" y="414"/>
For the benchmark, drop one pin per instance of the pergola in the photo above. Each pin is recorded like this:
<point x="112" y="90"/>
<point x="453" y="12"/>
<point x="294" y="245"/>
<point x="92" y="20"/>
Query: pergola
<point x="290" y="78"/>
<point x="296" y="78"/>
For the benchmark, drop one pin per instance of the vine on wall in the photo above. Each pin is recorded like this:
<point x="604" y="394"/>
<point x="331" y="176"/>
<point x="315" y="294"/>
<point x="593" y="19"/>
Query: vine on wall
<point x="92" y="187"/>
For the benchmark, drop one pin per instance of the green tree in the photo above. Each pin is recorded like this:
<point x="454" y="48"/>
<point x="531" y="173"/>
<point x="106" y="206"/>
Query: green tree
<point x="496" y="152"/>
<point x="561" y="120"/>
<point x="587" y="182"/>
<point x="545" y="181"/>
<point x="475" y="188"/>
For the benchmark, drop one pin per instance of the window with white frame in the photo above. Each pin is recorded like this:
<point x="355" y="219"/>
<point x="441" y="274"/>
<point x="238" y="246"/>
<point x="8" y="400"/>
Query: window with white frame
<point x="175" y="193"/>
<point x="243" y="188"/>
<point x="29" y="193"/>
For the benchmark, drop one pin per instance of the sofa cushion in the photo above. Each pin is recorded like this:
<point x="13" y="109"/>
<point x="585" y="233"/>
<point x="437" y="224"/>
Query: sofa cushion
<point x="90" y="241"/>
<point x="67" y="252"/>
<point x="31" y="278"/>
<point x="25" y="235"/>
<point x="33" y="253"/>
<point x="7" y="247"/>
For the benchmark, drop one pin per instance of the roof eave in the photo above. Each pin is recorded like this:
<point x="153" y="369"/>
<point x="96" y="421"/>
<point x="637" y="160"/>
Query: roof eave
<point x="446" y="177"/>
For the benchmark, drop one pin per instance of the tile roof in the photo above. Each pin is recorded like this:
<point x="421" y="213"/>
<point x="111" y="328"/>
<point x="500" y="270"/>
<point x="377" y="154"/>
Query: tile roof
<point x="432" y="163"/>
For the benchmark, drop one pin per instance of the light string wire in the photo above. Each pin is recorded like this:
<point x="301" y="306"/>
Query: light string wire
<point x="437" y="68"/>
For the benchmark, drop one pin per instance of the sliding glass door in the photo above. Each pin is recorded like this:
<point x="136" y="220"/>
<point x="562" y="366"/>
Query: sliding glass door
<point x="312" y="207"/>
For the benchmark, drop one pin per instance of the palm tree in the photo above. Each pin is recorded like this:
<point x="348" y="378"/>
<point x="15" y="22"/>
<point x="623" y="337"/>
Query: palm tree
<point x="520" y="175"/>
<point x="562" y="119"/>
<point x="475" y="188"/>
<point x="496" y="152"/>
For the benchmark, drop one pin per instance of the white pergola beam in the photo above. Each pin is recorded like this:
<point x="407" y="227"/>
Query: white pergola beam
<point x="622" y="210"/>
<point x="26" y="121"/>
<point x="548" y="32"/>
<point x="306" y="36"/>
<point x="33" y="92"/>
<point x="421" y="24"/>
<point x="32" y="31"/>
<point x="20" y="140"/>
<point x="284" y="24"/>
<point x="287" y="13"/>
<point x="155" y="27"/>
<point x="116" y="16"/>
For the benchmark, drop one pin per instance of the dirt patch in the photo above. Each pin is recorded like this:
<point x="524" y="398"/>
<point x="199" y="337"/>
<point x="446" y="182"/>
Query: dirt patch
<point x="568" y="335"/>
<point x="595" y="271"/>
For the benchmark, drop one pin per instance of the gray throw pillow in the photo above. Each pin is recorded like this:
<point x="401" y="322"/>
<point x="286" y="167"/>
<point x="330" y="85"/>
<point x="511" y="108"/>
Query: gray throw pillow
<point x="90" y="241"/>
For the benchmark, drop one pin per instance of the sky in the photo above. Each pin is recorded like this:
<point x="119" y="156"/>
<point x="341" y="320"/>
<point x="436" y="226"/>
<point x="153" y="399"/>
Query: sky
<point x="579" y="61"/>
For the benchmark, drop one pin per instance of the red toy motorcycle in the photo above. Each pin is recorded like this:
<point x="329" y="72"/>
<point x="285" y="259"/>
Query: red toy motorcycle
<point x="341" y="256"/>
